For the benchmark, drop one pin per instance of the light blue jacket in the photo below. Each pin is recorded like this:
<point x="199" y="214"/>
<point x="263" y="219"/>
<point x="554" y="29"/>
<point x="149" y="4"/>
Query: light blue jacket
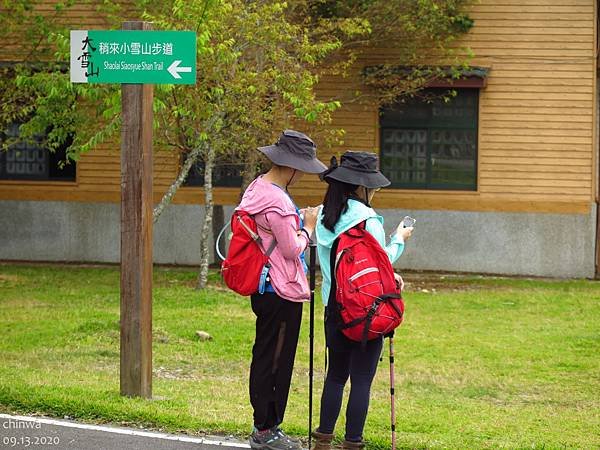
<point x="356" y="213"/>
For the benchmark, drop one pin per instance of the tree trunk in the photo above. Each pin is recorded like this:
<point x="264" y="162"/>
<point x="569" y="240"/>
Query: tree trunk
<point x="208" y="213"/>
<point x="193" y="156"/>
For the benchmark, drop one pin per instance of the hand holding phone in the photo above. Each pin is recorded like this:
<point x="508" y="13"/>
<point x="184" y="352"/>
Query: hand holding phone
<point x="408" y="222"/>
<point x="405" y="228"/>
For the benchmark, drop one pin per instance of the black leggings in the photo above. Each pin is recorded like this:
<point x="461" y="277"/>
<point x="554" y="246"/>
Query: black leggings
<point x="277" y="329"/>
<point x="360" y="365"/>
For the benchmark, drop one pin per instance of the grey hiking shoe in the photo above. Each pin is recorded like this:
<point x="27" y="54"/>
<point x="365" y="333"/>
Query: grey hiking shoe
<point x="289" y="438"/>
<point x="274" y="439"/>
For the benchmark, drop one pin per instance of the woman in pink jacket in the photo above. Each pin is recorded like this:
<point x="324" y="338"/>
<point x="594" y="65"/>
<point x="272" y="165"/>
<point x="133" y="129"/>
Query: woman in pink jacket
<point x="278" y="304"/>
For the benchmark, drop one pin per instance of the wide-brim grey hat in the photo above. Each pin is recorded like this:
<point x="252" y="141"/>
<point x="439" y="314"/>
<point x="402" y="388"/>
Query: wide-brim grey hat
<point x="359" y="168"/>
<point x="296" y="150"/>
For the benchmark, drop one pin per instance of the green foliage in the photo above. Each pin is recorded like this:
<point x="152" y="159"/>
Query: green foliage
<point x="421" y="34"/>
<point x="258" y="66"/>
<point x="256" y="73"/>
<point x="37" y="92"/>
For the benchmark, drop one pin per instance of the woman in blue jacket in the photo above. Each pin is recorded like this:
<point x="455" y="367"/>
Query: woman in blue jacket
<point x="347" y="203"/>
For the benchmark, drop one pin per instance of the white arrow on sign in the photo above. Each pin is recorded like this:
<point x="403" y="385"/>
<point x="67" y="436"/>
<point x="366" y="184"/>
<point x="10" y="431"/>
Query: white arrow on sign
<point x="174" y="69"/>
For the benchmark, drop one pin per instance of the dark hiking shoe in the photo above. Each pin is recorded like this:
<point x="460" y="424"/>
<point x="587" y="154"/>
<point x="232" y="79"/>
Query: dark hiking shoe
<point x="274" y="439"/>
<point x="289" y="438"/>
<point x="322" y="440"/>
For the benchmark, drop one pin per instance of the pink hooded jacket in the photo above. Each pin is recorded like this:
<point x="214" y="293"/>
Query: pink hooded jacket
<point x="275" y="215"/>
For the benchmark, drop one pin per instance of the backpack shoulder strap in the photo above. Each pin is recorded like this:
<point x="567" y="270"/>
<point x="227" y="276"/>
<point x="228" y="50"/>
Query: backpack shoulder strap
<point x="254" y="235"/>
<point x="333" y="259"/>
<point x="331" y="303"/>
<point x="271" y="247"/>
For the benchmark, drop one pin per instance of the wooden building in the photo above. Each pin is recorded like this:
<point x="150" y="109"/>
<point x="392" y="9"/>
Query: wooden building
<point x="503" y="179"/>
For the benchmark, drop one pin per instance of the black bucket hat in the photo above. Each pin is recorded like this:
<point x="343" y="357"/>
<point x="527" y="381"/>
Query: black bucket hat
<point x="296" y="150"/>
<point x="359" y="168"/>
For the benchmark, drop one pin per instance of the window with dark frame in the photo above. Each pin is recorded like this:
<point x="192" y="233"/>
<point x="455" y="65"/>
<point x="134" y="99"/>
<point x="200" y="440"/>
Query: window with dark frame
<point x="430" y="142"/>
<point x="225" y="174"/>
<point x="32" y="161"/>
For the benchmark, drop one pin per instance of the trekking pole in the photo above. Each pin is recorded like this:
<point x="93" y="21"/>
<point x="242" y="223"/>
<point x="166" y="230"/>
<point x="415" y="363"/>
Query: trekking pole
<point x="311" y="334"/>
<point x="392" y="393"/>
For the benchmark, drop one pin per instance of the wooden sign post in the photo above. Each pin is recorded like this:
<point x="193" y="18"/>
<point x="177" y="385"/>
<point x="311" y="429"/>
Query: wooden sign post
<point x="136" y="235"/>
<point x="137" y="58"/>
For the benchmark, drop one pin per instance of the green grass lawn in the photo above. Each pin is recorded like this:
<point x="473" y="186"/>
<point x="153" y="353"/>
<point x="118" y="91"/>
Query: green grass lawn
<point x="480" y="362"/>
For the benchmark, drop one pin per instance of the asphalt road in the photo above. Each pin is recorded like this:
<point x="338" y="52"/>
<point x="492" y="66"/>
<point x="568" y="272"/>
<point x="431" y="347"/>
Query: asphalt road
<point x="42" y="433"/>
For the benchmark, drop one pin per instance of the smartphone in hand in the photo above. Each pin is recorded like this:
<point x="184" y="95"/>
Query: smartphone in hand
<point x="408" y="222"/>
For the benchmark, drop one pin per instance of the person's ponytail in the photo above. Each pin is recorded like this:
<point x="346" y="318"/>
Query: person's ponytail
<point x="336" y="202"/>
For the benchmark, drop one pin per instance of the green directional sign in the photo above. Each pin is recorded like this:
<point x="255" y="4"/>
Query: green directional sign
<point x="152" y="57"/>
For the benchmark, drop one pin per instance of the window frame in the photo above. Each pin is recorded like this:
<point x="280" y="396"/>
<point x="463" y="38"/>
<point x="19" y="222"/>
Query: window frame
<point x="216" y="182"/>
<point x="415" y="125"/>
<point x="52" y="165"/>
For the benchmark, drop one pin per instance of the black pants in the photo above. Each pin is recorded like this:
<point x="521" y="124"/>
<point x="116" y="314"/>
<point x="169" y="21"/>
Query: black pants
<point x="348" y="360"/>
<point x="277" y="329"/>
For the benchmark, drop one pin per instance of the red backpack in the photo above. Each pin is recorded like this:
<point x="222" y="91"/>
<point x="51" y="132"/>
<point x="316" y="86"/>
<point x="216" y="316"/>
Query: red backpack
<point x="366" y="299"/>
<point x="246" y="257"/>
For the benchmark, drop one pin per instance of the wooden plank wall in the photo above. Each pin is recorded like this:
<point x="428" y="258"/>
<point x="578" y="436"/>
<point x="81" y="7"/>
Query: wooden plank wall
<point x="537" y="114"/>
<point x="536" y="128"/>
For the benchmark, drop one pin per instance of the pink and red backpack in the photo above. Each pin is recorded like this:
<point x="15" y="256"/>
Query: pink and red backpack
<point x="246" y="257"/>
